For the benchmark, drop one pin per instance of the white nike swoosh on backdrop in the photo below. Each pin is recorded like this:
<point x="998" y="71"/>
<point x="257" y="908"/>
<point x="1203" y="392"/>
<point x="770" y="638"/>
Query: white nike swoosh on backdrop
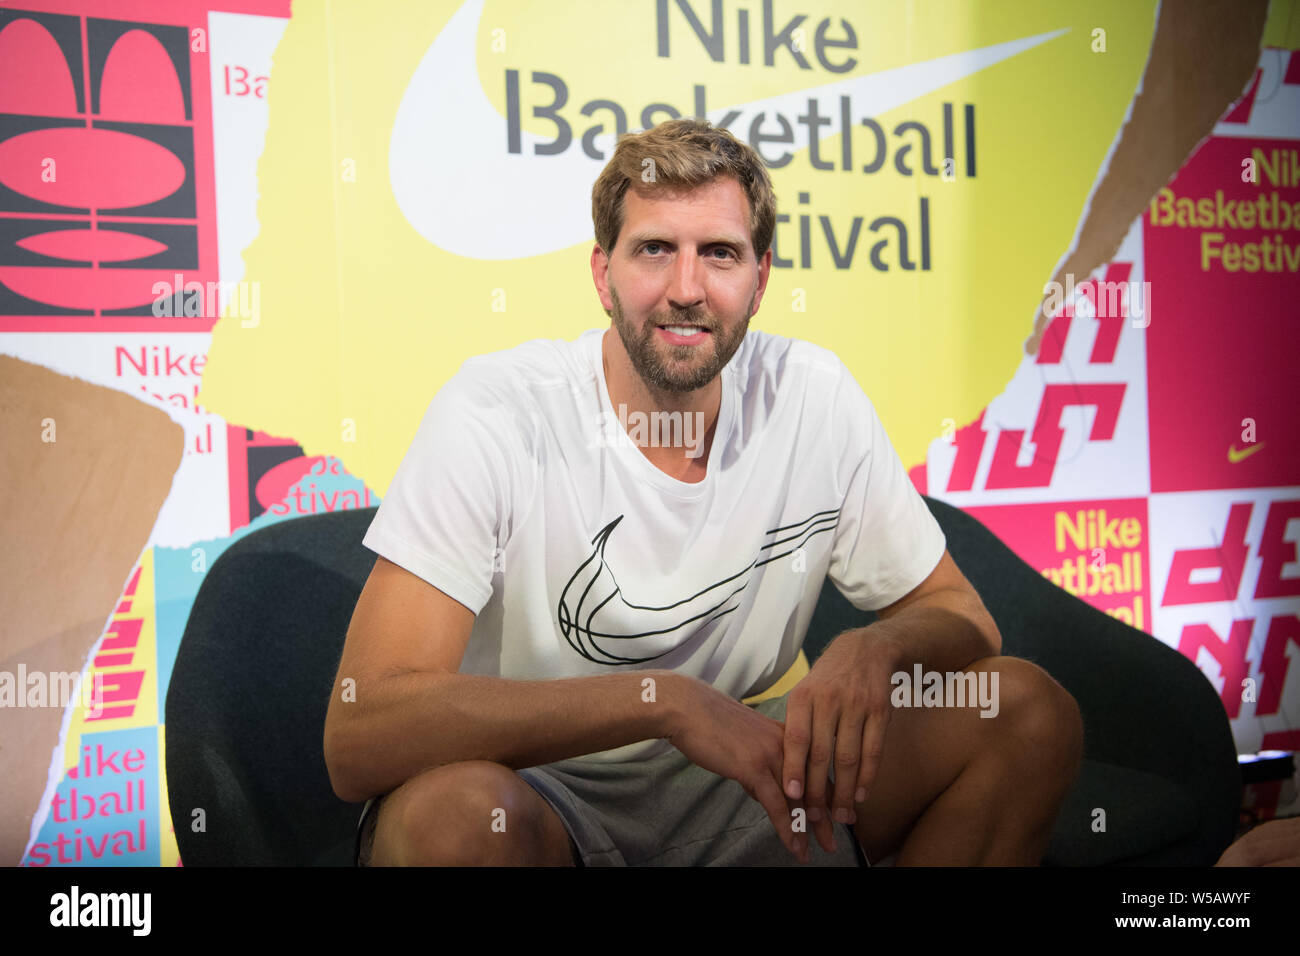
<point x="458" y="187"/>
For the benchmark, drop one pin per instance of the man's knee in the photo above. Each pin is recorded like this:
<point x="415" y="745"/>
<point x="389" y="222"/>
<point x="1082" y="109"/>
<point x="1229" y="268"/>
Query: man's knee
<point x="1037" y="717"/>
<point x="463" y="814"/>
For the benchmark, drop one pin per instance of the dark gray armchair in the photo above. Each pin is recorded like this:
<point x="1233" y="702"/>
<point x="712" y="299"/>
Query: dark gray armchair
<point x="246" y="705"/>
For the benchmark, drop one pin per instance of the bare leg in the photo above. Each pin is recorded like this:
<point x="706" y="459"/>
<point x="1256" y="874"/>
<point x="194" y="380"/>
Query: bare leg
<point x="474" y="813"/>
<point x="959" y="789"/>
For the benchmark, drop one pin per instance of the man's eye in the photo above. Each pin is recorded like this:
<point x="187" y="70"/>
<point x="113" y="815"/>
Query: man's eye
<point x="647" y="247"/>
<point x="724" y="249"/>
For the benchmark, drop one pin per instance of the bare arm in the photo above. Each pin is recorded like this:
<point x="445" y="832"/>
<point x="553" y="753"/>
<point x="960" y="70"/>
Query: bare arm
<point x="412" y="710"/>
<point x="941" y="623"/>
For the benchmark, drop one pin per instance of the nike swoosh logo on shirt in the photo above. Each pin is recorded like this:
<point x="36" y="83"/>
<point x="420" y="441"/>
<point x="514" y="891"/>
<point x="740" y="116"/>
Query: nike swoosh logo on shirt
<point x="592" y="599"/>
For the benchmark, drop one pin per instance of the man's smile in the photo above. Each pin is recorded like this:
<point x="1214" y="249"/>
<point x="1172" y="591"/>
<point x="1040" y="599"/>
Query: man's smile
<point x="684" y="334"/>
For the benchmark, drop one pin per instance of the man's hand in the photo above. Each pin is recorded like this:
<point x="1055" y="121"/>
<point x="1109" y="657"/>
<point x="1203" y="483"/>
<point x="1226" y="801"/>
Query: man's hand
<point x="840" y="710"/>
<point x="735" y="741"/>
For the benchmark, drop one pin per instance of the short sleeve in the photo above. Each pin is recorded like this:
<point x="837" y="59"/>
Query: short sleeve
<point x="886" y="542"/>
<point x="446" y="514"/>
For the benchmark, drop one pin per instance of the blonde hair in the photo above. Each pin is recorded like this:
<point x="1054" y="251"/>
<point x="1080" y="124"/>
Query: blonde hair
<point x="686" y="153"/>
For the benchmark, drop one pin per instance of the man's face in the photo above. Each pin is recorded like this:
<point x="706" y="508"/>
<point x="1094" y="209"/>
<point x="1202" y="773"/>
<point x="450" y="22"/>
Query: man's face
<point x="684" y="260"/>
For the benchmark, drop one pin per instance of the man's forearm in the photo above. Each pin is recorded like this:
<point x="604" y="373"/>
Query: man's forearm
<point x="945" y="631"/>
<point x="409" y="722"/>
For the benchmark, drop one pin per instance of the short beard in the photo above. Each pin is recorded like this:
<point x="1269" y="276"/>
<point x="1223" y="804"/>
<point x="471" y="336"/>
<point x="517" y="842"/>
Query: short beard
<point x="666" y="376"/>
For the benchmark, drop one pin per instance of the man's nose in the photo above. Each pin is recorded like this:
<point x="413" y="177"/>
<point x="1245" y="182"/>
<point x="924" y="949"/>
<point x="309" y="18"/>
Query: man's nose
<point x="686" y="286"/>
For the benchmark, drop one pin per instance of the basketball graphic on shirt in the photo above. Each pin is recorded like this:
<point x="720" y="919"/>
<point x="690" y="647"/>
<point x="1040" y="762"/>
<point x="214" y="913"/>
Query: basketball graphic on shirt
<point x="602" y="625"/>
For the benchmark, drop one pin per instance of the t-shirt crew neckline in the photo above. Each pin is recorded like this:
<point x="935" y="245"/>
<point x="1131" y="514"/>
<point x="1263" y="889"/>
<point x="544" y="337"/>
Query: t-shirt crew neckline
<point x="634" y="456"/>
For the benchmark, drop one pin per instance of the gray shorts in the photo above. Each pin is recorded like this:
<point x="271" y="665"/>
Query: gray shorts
<point x="663" y="811"/>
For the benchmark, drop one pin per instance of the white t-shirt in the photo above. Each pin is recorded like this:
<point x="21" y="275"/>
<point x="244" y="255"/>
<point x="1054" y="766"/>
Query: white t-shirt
<point x="523" y="498"/>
